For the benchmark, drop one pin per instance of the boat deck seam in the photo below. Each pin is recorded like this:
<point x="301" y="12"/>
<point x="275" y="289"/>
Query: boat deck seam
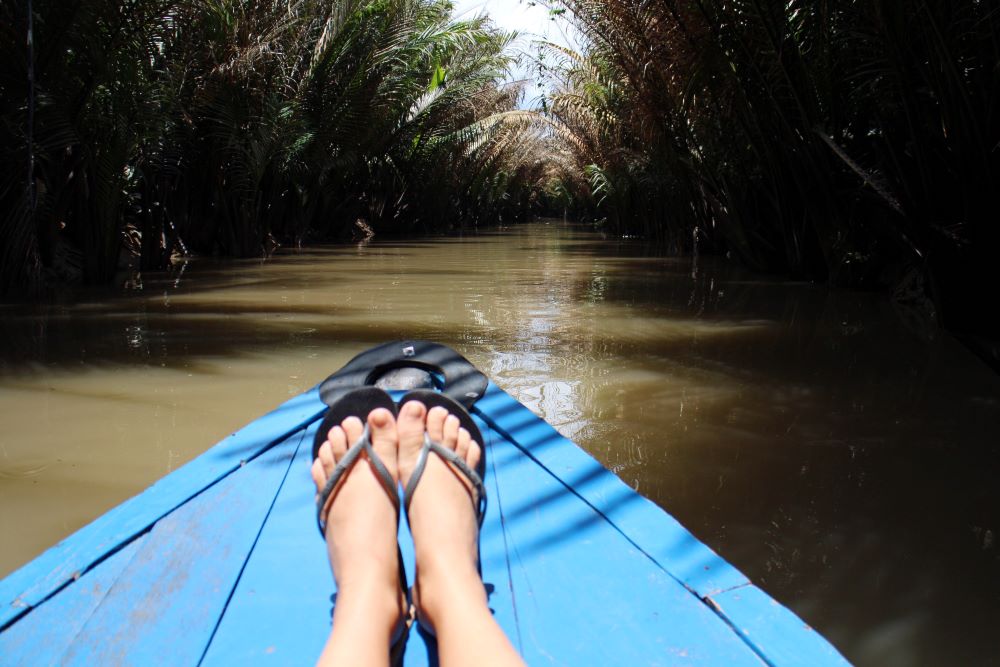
<point x="496" y="427"/>
<point x="706" y="600"/>
<point x="79" y="574"/>
<point x="106" y="593"/>
<point x="249" y="554"/>
<point x="507" y="550"/>
<point x="711" y="604"/>
<point x="122" y="543"/>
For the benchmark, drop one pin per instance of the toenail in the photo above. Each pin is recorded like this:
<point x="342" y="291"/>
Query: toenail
<point x="414" y="408"/>
<point x="378" y="418"/>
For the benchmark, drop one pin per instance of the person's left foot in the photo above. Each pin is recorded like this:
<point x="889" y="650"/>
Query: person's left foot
<point x="442" y="513"/>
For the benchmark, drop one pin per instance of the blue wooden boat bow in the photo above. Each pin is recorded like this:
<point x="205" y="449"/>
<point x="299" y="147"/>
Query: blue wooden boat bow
<point x="219" y="563"/>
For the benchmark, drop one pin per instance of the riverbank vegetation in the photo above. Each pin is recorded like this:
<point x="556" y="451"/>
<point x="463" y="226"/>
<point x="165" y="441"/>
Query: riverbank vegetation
<point x="228" y="127"/>
<point x="849" y="141"/>
<point x="855" y="142"/>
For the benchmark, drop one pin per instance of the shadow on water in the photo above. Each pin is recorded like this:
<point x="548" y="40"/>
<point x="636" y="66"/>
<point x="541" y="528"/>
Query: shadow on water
<point x="831" y="445"/>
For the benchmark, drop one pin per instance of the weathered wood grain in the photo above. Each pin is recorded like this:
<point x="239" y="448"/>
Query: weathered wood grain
<point x="164" y="607"/>
<point x="774" y="631"/>
<point x="279" y="613"/>
<point x="37" y="580"/>
<point x="42" y="636"/>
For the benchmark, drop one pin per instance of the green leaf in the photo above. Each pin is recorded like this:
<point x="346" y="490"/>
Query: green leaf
<point x="437" y="79"/>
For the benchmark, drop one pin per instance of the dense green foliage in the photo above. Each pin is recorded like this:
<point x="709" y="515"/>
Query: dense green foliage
<point x="228" y="126"/>
<point x="854" y="141"/>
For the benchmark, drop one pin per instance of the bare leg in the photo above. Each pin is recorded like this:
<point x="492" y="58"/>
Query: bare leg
<point x="450" y="596"/>
<point x="361" y="541"/>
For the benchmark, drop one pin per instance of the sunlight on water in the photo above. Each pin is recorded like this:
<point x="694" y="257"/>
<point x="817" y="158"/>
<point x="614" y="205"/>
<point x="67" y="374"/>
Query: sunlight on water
<point x="842" y="456"/>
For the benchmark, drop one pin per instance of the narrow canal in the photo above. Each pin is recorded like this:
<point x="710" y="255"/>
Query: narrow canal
<point x="831" y="445"/>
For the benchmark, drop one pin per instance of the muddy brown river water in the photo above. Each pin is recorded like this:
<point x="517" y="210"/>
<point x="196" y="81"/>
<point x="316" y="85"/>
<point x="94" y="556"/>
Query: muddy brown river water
<point x="830" y="444"/>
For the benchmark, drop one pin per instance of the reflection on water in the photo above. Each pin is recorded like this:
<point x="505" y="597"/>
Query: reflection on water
<point x="841" y="456"/>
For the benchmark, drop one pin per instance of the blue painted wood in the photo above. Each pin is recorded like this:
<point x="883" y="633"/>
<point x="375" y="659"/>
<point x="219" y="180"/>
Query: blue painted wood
<point x="169" y="598"/>
<point x="582" y="570"/>
<point x="657" y="535"/>
<point x="774" y="631"/>
<point x="583" y="592"/>
<point x="40" y="578"/>
<point x="280" y="611"/>
<point x="42" y="636"/>
<point x="651" y="529"/>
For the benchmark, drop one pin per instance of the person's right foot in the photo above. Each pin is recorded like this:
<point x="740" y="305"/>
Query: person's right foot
<point x="442" y="515"/>
<point x="361" y="521"/>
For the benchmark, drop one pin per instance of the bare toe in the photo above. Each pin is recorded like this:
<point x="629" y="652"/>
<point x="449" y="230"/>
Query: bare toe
<point x="326" y="460"/>
<point x="318" y="474"/>
<point x="462" y="445"/>
<point x="385" y="440"/>
<point x="352" y="428"/>
<point x="435" y="423"/>
<point x="474" y="454"/>
<point x="450" y="435"/>
<point x="410" y="427"/>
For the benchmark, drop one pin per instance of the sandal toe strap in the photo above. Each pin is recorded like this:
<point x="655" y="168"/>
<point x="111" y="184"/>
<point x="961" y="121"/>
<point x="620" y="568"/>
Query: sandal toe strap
<point x="449" y="456"/>
<point x="362" y="444"/>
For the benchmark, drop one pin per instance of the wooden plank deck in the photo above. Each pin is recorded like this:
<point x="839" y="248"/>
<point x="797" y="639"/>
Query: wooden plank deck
<point x="220" y="562"/>
<point x="58" y="566"/>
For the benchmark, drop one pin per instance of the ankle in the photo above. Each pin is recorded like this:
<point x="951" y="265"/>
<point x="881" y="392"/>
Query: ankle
<point x="445" y="550"/>
<point x="369" y="597"/>
<point x="443" y="593"/>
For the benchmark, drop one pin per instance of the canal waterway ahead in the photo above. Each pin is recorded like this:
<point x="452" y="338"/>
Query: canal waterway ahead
<point x="832" y="445"/>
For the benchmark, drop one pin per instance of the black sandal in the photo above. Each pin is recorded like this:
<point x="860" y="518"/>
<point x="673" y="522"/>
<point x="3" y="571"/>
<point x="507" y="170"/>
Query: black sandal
<point x="360" y="403"/>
